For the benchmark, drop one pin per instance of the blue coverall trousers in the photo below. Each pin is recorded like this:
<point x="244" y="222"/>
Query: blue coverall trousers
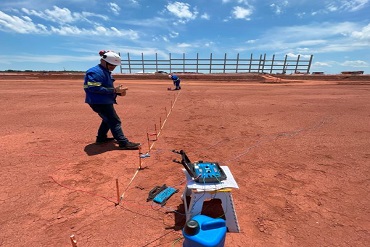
<point x="110" y="121"/>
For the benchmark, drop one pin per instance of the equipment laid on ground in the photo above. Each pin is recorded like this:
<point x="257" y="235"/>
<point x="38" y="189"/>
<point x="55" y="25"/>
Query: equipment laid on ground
<point x="160" y="194"/>
<point x="201" y="172"/>
<point x="146" y="155"/>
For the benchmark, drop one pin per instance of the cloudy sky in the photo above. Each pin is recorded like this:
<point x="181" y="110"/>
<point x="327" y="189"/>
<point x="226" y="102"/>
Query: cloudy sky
<point x="67" y="35"/>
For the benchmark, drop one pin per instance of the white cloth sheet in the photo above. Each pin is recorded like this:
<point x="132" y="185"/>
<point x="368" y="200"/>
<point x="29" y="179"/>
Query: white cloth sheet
<point x="228" y="183"/>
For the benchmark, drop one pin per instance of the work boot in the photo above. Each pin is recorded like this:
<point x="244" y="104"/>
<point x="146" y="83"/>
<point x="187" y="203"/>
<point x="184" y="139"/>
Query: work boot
<point x="101" y="140"/>
<point x="129" y="145"/>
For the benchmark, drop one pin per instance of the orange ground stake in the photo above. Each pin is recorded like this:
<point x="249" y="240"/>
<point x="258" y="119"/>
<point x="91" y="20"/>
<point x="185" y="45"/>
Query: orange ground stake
<point x="118" y="194"/>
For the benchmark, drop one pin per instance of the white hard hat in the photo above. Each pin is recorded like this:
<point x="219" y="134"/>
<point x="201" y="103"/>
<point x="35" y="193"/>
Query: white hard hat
<point x="169" y="76"/>
<point x="110" y="57"/>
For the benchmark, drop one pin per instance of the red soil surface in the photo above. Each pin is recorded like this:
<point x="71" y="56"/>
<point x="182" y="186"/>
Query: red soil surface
<point x="298" y="148"/>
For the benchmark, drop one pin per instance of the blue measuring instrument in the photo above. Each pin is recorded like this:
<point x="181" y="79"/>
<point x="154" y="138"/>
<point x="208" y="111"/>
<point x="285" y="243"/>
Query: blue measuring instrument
<point x="160" y="194"/>
<point x="201" y="172"/>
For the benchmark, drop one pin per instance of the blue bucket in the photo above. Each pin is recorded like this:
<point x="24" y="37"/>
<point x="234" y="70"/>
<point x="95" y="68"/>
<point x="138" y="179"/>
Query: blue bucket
<point x="204" y="231"/>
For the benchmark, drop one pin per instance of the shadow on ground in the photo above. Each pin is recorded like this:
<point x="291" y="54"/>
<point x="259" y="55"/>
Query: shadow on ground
<point x="94" y="149"/>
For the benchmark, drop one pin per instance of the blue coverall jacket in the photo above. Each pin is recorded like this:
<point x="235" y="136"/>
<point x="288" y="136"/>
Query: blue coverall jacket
<point x="176" y="80"/>
<point x="99" y="86"/>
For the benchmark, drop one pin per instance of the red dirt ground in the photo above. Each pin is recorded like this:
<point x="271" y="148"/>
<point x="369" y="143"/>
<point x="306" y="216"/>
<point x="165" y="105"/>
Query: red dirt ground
<point x="299" y="151"/>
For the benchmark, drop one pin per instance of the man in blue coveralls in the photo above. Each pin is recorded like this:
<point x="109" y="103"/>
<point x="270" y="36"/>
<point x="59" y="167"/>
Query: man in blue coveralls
<point x="101" y="96"/>
<point x="176" y="81"/>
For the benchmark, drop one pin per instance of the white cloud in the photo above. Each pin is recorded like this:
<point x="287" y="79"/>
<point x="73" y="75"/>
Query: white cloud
<point x="357" y="63"/>
<point x="114" y="8"/>
<point x="34" y="58"/>
<point x="160" y="38"/>
<point x="292" y="55"/>
<point x="58" y="15"/>
<point x="22" y="24"/>
<point x="138" y="51"/>
<point x="63" y="17"/>
<point x="322" y="64"/>
<point x="340" y="6"/>
<point x="134" y="2"/>
<point x="173" y="34"/>
<point x="155" y="22"/>
<point x="301" y="14"/>
<point x="67" y="30"/>
<point x="313" y="31"/>
<point x="354" y="5"/>
<point x="347" y="5"/>
<point x="251" y="41"/>
<point x="332" y="7"/>
<point x="205" y="16"/>
<point x="245" y="2"/>
<point x="278" y="8"/>
<point x="99" y="30"/>
<point x="348" y="65"/>
<point x="242" y="13"/>
<point x="209" y="44"/>
<point x="313" y="39"/>
<point x="184" y="45"/>
<point x="363" y="34"/>
<point x="182" y="11"/>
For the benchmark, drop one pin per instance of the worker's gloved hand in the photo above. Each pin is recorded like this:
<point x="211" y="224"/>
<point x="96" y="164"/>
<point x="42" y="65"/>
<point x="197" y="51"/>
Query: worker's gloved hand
<point x="120" y="90"/>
